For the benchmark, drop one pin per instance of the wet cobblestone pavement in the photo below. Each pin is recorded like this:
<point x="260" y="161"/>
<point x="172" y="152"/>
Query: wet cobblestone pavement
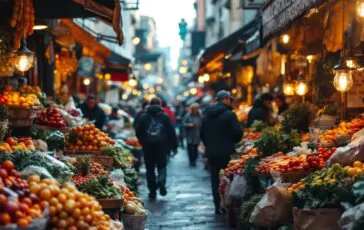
<point x="188" y="205"/>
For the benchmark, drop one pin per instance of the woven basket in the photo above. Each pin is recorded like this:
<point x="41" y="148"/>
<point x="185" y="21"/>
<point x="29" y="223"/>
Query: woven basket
<point x="132" y="222"/>
<point x="21" y="122"/>
<point x="16" y="113"/>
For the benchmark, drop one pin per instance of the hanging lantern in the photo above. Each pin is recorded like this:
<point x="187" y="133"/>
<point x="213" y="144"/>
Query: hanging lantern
<point x="301" y="88"/>
<point x="24" y="59"/>
<point x="288" y="89"/>
<point x="360" y="8"/>
<point x="133" y="82"/>
<point x="343" y="80"/>
<point x="351" y="63"/>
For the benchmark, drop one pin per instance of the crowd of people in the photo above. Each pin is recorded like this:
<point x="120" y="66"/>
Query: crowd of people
<point x="161" y="130"/>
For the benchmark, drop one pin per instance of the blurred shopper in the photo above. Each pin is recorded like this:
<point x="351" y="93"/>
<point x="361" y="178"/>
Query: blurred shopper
<point x="180" y="112"/>
<point x="115" y="123"/>
<point x="220" y="131"/>
<point x="262" y="110"/>
<point x="92" y="111"/>
<point x="192" y="123"/>
<point x="140" y="113"/>
<point x="281" y="103"/>
<point x="156" y="134"/>
<point x="168" y="111"/>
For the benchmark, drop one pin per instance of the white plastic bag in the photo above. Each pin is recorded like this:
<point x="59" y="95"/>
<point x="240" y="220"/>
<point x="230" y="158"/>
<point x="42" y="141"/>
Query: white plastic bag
<point x="348" y="154"/>
<point x="239" y="187"/>
<point x="117" y="176"/>
<point x="274" y="208"/>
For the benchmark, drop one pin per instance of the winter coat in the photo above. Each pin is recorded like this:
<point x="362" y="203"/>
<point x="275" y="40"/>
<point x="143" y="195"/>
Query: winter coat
<point x="170" y="142"/>
<point x="192" y="133"/>
<point x="170" y="113"/>
<point x="95" y="114"/>
<point x="220" y="131"/>
<point x="258" y="113"/>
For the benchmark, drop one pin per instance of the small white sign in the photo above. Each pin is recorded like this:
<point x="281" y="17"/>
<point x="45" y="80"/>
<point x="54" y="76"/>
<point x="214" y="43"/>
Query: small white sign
<point x="252" y="4"/>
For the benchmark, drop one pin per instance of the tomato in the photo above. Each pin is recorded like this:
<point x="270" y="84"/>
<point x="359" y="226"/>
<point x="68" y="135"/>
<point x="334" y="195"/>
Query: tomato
<point x="11" y="141"/>
<point x="8" y="165"/>
<point x="5" y="218"/>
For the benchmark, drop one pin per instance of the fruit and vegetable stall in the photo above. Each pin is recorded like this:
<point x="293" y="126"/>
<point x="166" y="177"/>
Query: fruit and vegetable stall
<point x="287" y="178"/>
<point x="64" y="173"/>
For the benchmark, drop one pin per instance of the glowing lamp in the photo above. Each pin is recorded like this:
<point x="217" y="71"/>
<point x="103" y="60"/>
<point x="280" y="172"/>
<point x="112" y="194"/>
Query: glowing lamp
<point x="301" y="88"/>
<point x="160" y="80"/>
<point x="86" y="81"/>
<point x="136" y="40"/>
<point x="133" y="82"/>
<point x="288" y="89"/>
<point x="360" y="8"/>
<point x="193" y="91"/>
<point x="343" y="80"/>
<point x="285" y="38"/>
<point x="24" y="58"/>
<point x="206" y="77"/>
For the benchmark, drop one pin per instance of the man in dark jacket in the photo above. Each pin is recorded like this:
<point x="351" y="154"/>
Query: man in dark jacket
<point x="220" y="131"/>
<point x="92" y="111"/>
<point x="262" y="110"/>
<point x="156" y="134"/>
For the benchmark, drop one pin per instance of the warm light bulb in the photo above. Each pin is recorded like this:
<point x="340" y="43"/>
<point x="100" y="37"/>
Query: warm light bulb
<point x="124" y="96"/>
<point x="136" y="40"/>
<point x="201" y="79"/>
<point x="193" y="91"/>
<point x="40" y="27"/>
<point x="360" y="9"/>
<point x="285" y="38"/>
<point x="184" y="62"/>
<point x="145" y="86"/>
<point x="343" y="80"/>
<point x="109" y="82"/>
<point x="160" y="80"/>
<point x="309" y="58"/>
<point x="301" y="88"/>
<point x="186" y="94"/>
<point x="86" y="81"/>
<point x="183" y="70"/>
<point x="234" y="91"/>
<point x="147" y="66"/>
<point x="107" y="76"/>
<point x="151" y="90"/>
<point x="24" y="63"/>
<point x="206" y="77"/>
<point x="133" y="82"/>
<point x="288" y="89"/>
<point x="351" y="63"/>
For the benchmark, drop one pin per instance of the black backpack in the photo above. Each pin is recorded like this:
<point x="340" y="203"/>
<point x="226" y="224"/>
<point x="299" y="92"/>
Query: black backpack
<point x="155" y="131"/>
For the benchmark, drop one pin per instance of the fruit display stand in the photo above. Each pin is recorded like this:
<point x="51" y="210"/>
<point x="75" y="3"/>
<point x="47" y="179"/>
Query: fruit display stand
<point x="22" y="117"/>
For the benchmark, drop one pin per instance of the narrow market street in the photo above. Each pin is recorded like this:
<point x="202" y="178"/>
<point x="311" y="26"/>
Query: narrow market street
<point x="188" y="205"/>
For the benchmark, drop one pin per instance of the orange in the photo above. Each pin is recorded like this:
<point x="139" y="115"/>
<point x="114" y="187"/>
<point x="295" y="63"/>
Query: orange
<point x="357" y="164"/>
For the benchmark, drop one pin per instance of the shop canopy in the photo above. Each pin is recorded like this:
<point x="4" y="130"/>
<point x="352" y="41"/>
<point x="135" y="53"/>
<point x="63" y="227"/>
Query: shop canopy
<point x="107" y="10"/>
<point x="226" y="47"/>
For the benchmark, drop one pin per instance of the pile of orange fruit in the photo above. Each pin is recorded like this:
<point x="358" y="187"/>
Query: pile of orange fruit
<point x="87" y="138"/>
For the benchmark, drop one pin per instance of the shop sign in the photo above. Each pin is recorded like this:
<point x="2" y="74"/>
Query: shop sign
<point x="86" y="67"/>
<point x="252" y="4"/>
<point x="279" y="13"/>
<point x="356" y="93"/>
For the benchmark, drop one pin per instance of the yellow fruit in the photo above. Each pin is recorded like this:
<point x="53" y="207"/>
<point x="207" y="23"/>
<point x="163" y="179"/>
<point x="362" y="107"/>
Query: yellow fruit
<point x="358" y="164"/>
<point x="351" y="172"/>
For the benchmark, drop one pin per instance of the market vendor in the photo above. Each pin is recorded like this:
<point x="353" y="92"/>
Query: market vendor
<point x="92" y="111"/>
<point x="262" y="110"/>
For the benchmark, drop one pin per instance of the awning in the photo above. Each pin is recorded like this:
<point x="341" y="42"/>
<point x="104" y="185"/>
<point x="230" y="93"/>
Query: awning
<point x="147" y="57"/>
<point x="234" y="42"/>
<point x="107" y="10"/>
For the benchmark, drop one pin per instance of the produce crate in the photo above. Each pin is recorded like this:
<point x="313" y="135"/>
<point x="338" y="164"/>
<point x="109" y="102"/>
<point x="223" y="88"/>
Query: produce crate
<point x="112" y="207"/>
<point x="21" y="122"/>
<point x="17" y="113"/>
<point x="105" y="161"/>
<point x="291" y="177"/>
<point x="133" y="222"/>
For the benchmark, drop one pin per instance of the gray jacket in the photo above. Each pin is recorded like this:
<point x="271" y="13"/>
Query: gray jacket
<point x="192" y="133"/>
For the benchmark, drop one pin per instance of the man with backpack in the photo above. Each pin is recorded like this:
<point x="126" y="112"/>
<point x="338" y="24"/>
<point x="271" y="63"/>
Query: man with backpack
<point x="157" y="135"/>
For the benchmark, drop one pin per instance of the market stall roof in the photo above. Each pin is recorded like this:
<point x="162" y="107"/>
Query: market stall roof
<point x="118" y="59"/>
<point x="147" y="57"/>
<point x="107" y="10"/>
<point x="232" y="43"/>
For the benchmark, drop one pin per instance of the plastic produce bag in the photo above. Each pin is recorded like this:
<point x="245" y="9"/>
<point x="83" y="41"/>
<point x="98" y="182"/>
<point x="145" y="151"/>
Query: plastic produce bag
<point x="353" y="218"/>
<point x="117" y="176"/>
<point x="70" y="120"/>
<point x="274" y="208"/>
<point x="316" y="219"/>
<point x="32" y="169"/>
<point x="40" y="145"/>
<point x="224" y="189"/>
<point x="55" y="140"/>
<point x="239" y="187"/>
<point x="348" y="154"/>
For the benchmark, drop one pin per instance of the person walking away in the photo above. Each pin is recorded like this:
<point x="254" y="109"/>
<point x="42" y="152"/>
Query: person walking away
<point x="192" y="123"/>
<point x="92" y="111"/>
<point x="140" y="113"/>
<point x="281" y="103"/>
<point x="262" y="110"/>
<point x="115" y="123"/>
<point x="220" y="131"/>
<point x="156" y="133"/>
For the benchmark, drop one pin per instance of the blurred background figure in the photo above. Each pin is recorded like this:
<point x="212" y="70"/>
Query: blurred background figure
<point x="115" y="123"/>
<point x="168" y="111"/>
<point x="262" y="110"/>
<point x="92" y="111"/>
<point x="180" y="112"/>
<point x="192" y="124"/>
<point x="281" y="103"/>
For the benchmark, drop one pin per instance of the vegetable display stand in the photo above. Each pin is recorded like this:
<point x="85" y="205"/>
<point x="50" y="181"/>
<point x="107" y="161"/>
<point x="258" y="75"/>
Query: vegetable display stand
<point x="112" y="207"/>
<point x="133" y="222"/>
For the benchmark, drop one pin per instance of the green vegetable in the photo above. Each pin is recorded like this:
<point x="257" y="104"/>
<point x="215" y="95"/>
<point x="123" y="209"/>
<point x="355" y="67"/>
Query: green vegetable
<point x="246" y="210"/>
<point x="55" y="140"/>
<point x="258" y="126"/>
<point x="273" y="141"/>
<point x="296" y="117"/>
<point x="120" y="155"/>
<point x="131" y="179"/>
<point x="100" y="188"/>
